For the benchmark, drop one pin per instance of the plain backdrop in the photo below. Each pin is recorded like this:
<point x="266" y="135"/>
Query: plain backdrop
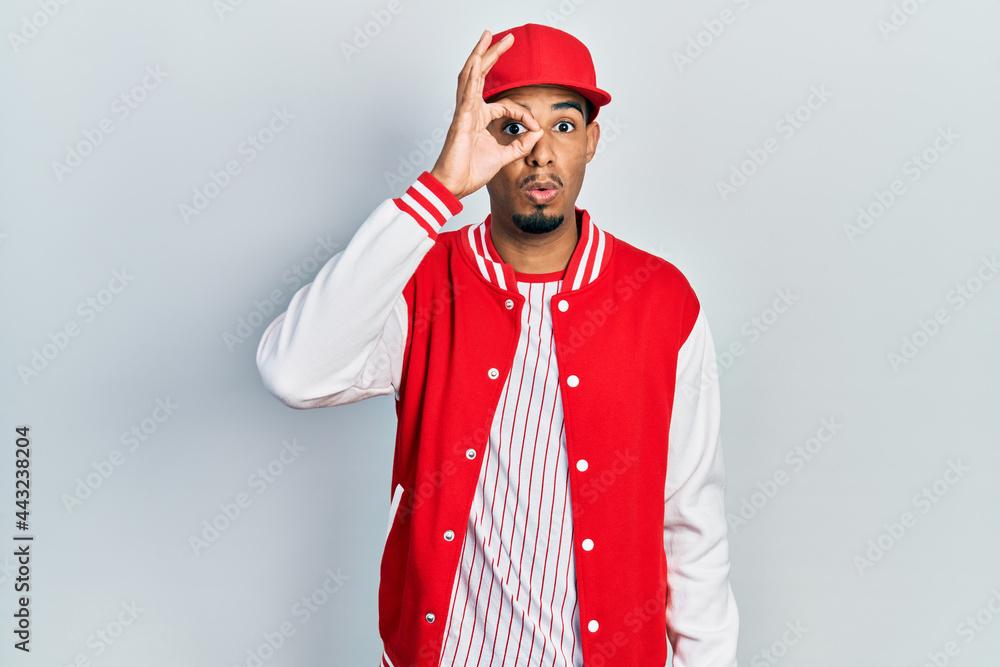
<point x="825" y="175"/>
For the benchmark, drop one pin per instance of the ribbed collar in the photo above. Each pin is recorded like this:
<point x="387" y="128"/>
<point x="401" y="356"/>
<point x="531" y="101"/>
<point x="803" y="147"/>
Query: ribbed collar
<point x="590" y="257"/>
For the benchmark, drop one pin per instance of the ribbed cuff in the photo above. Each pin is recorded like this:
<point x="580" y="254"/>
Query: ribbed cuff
<point x="429" y="203"/>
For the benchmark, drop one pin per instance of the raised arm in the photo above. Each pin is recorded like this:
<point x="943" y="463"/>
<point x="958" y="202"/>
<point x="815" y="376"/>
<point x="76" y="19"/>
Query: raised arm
<point x="341" y="339"/>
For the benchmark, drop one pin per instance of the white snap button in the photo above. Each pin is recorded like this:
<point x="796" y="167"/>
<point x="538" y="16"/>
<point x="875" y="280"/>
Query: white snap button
<point x="470" y="453"/>
<point x="494" y="373"/>
<point x="588" y="544"/>
<point x="509" y="303"/>
<point x="582" y="465"/>
<point x="592" y="626"/>
<point x="572" y="380"/>
<point x="449" y="535"/>
<point x="430" y="618"/>
<point x="563" y="306"/>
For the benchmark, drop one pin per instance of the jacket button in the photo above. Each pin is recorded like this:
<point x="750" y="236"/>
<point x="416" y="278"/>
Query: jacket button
<point x="470" y="453"/>
<point x="588" y="544"/>
<point x="494" y="374"/>
<point x="572" y="380"/>
<point x="563" y="306"/>
<point x="581" y="465"/>
<point x="449" y="535"/>
<point x="509" y="303"/>
<point x="430" y="618"/>
<point x="592" y="626"/>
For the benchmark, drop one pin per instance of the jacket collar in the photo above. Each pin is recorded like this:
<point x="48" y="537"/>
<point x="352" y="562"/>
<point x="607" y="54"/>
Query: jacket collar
<point x="590" y="257"/>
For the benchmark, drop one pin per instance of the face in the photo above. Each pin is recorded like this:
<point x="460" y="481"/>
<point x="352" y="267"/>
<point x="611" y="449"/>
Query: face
<point x="538" y="191"/>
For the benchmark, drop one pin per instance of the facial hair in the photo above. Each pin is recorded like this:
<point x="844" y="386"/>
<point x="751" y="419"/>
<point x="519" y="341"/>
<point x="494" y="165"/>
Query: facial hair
<point x="537" y="222"/>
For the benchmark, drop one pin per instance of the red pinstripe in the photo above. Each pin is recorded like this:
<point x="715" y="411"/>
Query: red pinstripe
<point x="528" y="419"/>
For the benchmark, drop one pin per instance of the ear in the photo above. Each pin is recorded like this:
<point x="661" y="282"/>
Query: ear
<point x="593" y="136"/>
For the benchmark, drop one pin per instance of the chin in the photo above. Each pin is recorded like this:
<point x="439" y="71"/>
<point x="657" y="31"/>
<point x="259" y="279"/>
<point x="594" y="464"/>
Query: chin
<point x="539" y="220"/>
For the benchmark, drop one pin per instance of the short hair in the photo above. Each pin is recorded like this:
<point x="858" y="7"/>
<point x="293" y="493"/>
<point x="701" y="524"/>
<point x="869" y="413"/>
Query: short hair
<point x="590" y="110"/>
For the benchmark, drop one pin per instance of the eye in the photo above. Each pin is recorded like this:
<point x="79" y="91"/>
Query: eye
<point x="507" y="127"/>
<point x="563" y="123"/>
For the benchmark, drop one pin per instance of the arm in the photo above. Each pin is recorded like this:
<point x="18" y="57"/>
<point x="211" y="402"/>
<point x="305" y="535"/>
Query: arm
<point x="341" y="338"/>
<point x="702" y="619"/>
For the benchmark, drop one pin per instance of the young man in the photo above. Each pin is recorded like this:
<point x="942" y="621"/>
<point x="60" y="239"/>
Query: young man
<point x="553" y="385"/>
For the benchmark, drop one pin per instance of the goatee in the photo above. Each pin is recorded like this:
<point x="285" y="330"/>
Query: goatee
<point x="537" y="222"/>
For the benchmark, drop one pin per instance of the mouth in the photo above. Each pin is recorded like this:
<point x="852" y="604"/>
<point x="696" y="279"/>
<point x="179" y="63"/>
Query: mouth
<point x="541" y="192"/>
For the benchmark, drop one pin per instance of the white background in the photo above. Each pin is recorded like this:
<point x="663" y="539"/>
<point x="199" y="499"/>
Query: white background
<point x="362" y="130"/>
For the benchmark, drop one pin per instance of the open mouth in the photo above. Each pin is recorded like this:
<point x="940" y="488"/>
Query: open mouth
<point x="541" y="193"/>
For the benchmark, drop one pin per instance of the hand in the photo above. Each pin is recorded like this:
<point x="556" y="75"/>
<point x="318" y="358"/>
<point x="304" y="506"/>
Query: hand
<point x="471" y="155"/>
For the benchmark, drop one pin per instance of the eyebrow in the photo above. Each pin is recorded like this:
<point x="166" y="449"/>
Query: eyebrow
<point x="561" y="105"/>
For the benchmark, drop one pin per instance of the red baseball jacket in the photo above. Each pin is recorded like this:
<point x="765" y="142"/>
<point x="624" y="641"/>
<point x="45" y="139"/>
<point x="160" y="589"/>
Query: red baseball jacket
<point x="433" y="318"/>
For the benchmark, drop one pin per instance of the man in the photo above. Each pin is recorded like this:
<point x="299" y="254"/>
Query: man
<point x="542" y="371"/>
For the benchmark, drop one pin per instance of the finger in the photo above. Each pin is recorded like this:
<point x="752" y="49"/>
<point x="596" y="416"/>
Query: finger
<point x="505" y="108"/>
<point x="494" y="52"/>
<point x="481" y="64"/>
<point x="464" y="74"/>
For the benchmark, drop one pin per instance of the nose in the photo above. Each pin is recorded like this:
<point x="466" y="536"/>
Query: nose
<point x="541" y="153"/>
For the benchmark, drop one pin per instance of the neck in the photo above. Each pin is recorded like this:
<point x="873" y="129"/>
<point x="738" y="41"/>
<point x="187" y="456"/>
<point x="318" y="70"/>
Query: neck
<point x="535" y="253"/>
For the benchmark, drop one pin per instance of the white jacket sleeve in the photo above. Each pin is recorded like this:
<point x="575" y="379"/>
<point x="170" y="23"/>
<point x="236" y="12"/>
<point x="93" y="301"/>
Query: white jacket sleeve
<point x="702" y="619"/>
<point x="342" y="337"/>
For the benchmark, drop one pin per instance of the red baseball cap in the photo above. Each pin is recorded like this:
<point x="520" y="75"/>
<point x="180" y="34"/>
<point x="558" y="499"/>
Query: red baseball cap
<point x="544" y="55"/>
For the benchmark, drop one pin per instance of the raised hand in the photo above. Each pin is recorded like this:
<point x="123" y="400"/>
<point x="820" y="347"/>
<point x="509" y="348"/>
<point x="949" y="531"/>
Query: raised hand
<point x="471" y="155"/>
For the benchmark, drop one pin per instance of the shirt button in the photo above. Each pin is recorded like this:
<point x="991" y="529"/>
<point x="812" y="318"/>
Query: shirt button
<point x="592" y="626"/>
<point x="449" y="535"/>
<point x="588" y="544"/>
<point x="509" y="303"/>
<point x="563" y="306"/>
<point x="572" y="380"/>
<point x="581" y="465"/>
<point x="430" y="618"/>
<point x="494" y="374"/>
<point x="470" y="453"/>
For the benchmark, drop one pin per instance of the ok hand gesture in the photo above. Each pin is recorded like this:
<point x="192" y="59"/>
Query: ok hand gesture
<point x="471" y="155"/>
